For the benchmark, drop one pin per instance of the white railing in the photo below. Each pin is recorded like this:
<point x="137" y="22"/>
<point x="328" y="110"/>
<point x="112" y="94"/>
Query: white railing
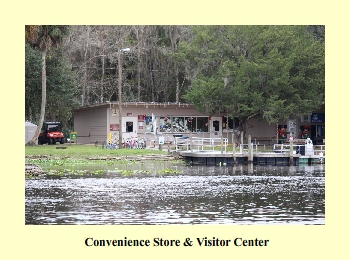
<point x="182" y="142"/>
<point x="285" y="148"/>
<point x="200" y="143"/>
<point x="245" y="148"/>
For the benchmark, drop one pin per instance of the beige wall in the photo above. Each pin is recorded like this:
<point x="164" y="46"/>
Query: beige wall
<point x="93" y="123"/>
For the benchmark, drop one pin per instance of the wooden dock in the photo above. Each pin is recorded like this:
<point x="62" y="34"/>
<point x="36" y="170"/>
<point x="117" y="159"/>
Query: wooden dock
<point x="213" y="158"/>
<point x="201" y="151"/>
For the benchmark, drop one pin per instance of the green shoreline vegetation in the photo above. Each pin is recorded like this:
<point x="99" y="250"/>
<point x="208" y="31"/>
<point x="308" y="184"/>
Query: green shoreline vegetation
<point x="89" y="154"/>
<point x="84" y="152"/>
<point x="58" y="159"/>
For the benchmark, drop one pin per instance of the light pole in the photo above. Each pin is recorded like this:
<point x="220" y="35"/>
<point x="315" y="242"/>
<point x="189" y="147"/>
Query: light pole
<point x="120" y="95"/>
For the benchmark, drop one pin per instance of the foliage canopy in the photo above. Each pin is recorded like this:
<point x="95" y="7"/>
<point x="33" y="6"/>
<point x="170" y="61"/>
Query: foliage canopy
<point x="270" y="72"/>
<point x="265" y="72"/>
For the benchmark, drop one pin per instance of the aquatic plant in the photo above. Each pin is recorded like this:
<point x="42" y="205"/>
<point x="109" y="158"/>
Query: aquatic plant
<point x="127" y="172"/>
<point x="168" y="171"/>
<point x="58" y="162"/>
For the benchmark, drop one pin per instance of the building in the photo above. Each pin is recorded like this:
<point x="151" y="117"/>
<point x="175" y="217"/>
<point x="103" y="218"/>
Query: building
<point x="139" y="119"/>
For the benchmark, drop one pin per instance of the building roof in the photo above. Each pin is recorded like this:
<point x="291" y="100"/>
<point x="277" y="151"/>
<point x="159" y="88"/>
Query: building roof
<point x="125" y="104"/>
<point x="29" y="124"/>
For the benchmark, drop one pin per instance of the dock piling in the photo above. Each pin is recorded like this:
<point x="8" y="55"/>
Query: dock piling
<point x="191" y="143"/>
<point x="234" y="149"/>
<point x="221" y="145"/>
<point x="250" y="150"/>
<point x="291" y="152"/>
<point x="168" y="141"/>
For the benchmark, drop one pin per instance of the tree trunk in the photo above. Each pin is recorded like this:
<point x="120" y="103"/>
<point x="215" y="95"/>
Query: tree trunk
<point x="152" y="83"/>
<point x="139" y="77"/>
<point x="242" y="129"/>
<point x="177" y="83"/>
<point x="85" y="94"/>
<point x="43" y="97"/>
<point x="139" y="42"/>
<point x="102" y="78"/>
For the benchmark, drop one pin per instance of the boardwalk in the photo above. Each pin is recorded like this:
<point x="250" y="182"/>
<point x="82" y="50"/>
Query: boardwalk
<point x="214" y="151"/>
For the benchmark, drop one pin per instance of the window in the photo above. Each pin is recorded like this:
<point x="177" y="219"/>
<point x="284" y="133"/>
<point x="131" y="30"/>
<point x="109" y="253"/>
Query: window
<point x="230" y="123"/>
<point x="179" y="124"/>
<point x="305" y="119"/>
<point x="129" y="127"/>
<point x="149" y="125"/>
<point x="216" y="125"/>
<point x="165" y="124"/>
<point x="190" y="125"/>
<point x="202" y="124"/>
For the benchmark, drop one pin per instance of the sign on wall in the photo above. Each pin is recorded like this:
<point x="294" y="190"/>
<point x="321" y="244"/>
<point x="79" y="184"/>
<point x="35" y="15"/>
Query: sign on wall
<point x="140" y="125"/>
<point x="317" y="118"/>
<point x="115" y="112"/>
<point x="114" y="127"/>
<point x="141" y="118"/>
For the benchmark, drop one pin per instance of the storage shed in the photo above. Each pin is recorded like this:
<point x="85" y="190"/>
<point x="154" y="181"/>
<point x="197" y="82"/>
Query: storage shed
<point x="30" y="131"/>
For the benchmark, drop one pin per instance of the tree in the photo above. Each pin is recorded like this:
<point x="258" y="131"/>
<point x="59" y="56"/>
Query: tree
<point x="267" y="72"/>
<point x="33" y="67"/>
<point x="61" y="92"/>
<point x="150" y="71"/>
<point x="43" y="37"/>
<point x="122" y="33"/>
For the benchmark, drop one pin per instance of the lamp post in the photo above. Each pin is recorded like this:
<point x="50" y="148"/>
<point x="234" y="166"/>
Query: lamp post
<point x="120" y="95"/>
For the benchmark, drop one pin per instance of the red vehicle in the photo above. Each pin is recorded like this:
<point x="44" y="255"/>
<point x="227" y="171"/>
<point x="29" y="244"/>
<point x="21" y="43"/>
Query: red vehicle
<point x="52" y="133"/>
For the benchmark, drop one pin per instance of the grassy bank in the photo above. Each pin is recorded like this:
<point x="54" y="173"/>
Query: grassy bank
<point x="83" y="151"/>
<point x="74" y="155"/>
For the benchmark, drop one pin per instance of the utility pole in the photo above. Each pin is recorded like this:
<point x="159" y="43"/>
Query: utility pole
<point x="120" y="98"/>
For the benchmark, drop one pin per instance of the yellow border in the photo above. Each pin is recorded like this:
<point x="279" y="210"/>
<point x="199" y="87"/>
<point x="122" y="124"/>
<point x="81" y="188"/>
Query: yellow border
<point x="67" y="242"/>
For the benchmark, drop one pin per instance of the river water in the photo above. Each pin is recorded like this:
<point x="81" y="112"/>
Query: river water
<point x="243" y="194"/>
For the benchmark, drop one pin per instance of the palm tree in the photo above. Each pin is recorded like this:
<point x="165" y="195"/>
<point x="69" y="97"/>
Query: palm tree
<point x="43" y="37"/>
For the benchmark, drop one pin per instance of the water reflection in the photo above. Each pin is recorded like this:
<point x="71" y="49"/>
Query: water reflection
<point x="199" y="195"/>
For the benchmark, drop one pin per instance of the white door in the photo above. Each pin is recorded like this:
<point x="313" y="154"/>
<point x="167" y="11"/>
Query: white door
<point x="215" y="127"/>
<point x="129" y="127"/>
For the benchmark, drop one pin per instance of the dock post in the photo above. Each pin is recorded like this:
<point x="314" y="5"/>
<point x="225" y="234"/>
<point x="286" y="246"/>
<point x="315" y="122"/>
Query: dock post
<point x="167" y="139"/>
<point x="221" y="144"/>
<point x="290" y="152"/>
<point x="191" y="146"/>
<point x="250" y="152"/>
<point x="233" y="149"/>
